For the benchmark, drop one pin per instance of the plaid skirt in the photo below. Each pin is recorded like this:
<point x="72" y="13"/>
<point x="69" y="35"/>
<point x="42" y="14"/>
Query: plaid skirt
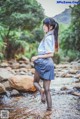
<point x="45" y="68"/>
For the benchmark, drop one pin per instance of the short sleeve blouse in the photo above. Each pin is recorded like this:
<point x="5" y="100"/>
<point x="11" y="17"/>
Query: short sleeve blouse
<point x="47" y="45"/>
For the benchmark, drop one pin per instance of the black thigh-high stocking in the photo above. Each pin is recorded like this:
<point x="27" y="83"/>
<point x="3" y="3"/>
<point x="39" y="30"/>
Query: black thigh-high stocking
<point x="38" y="87"/>
<point x="36" y="81"/>
<point x="46" y="85"/>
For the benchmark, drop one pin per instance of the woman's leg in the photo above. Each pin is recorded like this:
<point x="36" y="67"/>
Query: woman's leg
<point x="36" y="81"/>
<point x="38" y="87"/>
<point x="46" y="85"/>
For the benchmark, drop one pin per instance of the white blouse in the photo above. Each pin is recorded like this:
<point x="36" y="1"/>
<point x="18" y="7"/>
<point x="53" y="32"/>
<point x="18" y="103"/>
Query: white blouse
<point x="47" y="45"/>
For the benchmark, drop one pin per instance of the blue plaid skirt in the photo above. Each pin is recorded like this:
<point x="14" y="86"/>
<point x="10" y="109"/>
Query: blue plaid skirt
<point x="45" y="68"/>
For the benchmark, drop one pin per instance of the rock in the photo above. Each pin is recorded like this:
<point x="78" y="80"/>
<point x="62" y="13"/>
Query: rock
<point x="23" y="65"/>
<point x="76" y="66"/>
<point x="32" y="70"/>
<point x="23" y="69"/>
<point x="7" y="85"/>
<point x="14" y="93"/>
<point x="21" y="62"/>
<point x="68" y="75"/>
<point x="28" y="66"/>
<point x="22" y="73"/>
<point x="5" y="74"/>
<point x="77" y="87"/>
<point x="13" y="72"/>
<point x="15" y="65"/>
<point x="62" y="66"/>
<point x="9" y="68"/>
<point x="73" y="71"/>
<point x="21" y="82"/>
<point x="2" y="89"/>
<point x="4" y="64"/>
<point x="32" y="64"/>
<point x="77" y="76"/>
<point x="78" y="61"/>
<point x="64" y="88"/>
<point x="75" y="93"/>
<point x="25" y="59"/>
<point x="63" y="74"/>
<point x="11" y="61"/>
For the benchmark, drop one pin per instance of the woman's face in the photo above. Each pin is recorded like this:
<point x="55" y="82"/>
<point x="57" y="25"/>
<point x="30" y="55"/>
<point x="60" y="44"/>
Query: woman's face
<point x="45" y="28"/>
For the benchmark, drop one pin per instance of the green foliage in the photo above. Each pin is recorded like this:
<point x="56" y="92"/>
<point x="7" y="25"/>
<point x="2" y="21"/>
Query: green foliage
<point x="14" y="47"/>
<point x="27" y="36"/>
<point x="35" y="35"/>
<point x="15" y="16"/>
<point x="38" y="34"/>
<point x="72" y="54"/>
<point x="56" y="58"/>
<point x="1" y="56"/>
<point x="24" y="14"/>
<point x="2" y="46"/>
<point x="31" y="50"/>
<point x="70" y="38"/>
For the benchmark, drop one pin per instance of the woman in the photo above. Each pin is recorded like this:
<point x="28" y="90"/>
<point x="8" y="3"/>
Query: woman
<point x="43" y="63"/>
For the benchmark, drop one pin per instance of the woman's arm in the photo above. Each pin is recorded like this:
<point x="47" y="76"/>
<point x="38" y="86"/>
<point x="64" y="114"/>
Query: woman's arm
<point x="47" y="55"/>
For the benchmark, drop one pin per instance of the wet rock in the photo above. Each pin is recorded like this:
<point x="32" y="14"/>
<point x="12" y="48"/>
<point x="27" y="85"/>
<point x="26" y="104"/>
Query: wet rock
<point x="2" y="89"/>
<point x="21" y="82"/>
<point x="5" y="74"/>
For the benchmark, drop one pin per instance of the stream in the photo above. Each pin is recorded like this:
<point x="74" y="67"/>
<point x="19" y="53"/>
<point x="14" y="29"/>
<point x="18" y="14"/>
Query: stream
<point x="28" y="105"/>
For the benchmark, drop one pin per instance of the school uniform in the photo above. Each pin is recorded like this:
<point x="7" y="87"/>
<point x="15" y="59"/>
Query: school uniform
<point x="45" y="66"/>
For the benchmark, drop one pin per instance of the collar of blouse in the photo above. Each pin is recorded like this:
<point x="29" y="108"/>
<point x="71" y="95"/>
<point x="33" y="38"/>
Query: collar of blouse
<point x="49" y="33"/>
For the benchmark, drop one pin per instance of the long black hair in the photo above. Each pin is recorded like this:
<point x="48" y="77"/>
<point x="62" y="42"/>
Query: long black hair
<point x="51" y="22"/>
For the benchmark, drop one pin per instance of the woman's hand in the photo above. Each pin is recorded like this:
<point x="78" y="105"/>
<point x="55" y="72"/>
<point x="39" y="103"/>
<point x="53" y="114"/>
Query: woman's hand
<point x="34" y="58"/>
